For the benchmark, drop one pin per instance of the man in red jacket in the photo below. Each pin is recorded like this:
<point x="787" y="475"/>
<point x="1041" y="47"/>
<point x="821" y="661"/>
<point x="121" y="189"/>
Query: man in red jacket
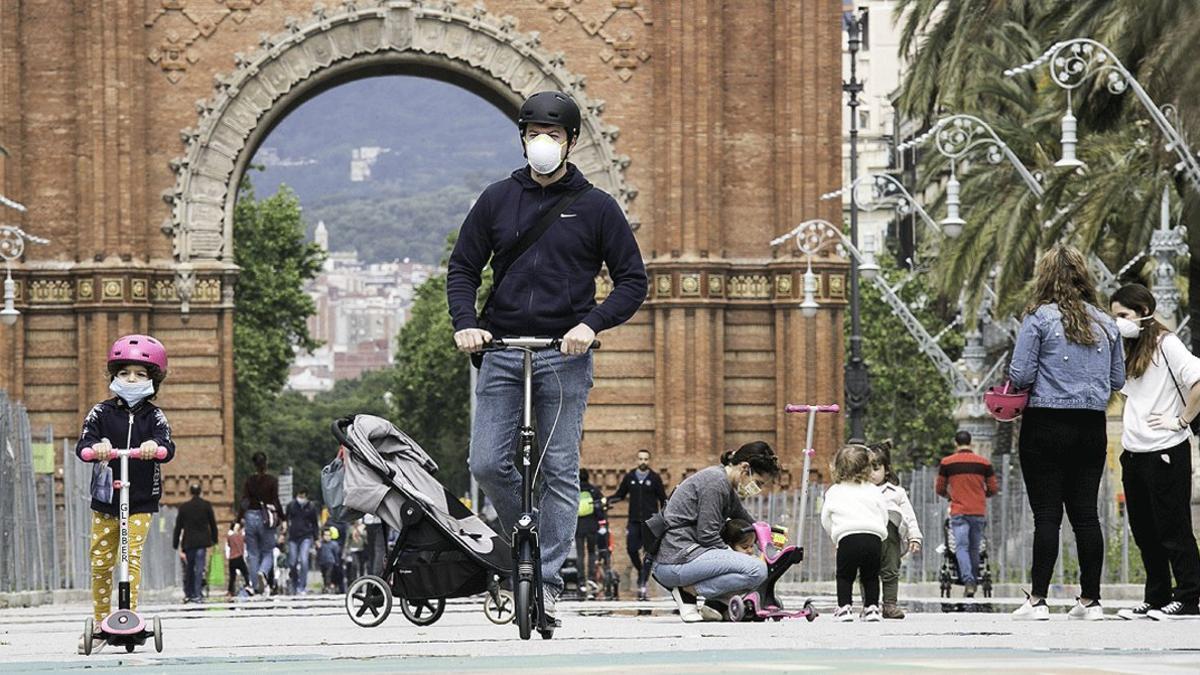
<point x="967" y="480"/>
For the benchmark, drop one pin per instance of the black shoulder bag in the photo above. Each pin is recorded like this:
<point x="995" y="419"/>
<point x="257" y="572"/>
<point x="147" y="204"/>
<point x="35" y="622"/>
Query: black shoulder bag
<point x="501" y="262"/>
<point x="1194" y="424"/>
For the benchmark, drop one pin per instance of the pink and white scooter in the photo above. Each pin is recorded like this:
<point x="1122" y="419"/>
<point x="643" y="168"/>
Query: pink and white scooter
<point x="123" y="627"/>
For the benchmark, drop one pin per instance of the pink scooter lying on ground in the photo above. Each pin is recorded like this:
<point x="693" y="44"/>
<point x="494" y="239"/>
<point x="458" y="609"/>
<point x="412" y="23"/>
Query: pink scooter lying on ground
<point x="123" y="627"/>
<point x="763" y="604"/>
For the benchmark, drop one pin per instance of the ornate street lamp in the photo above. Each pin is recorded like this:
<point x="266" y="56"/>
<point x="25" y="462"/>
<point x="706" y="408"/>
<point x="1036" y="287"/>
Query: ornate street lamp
<point x="1071" y="62"/>
<point x="12" y="246"/>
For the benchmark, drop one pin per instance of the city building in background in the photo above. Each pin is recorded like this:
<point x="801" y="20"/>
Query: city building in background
<point x="360" y="310"/>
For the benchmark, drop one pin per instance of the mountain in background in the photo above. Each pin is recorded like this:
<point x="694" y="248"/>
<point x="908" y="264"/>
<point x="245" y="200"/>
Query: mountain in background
<point x="431" y="147"/>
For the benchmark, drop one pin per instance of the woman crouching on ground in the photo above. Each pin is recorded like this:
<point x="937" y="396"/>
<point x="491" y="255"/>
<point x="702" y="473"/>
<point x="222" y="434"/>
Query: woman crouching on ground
<point x="693" y="561"/>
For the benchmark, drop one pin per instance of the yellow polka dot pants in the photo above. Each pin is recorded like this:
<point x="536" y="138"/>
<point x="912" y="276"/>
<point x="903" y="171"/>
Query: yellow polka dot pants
<point x="105" y="552"/>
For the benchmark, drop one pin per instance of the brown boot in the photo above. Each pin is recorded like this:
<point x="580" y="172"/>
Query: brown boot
<point x="891" y="611"/>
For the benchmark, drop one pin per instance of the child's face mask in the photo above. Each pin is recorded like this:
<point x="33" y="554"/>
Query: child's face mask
<point x="132" y="393"/>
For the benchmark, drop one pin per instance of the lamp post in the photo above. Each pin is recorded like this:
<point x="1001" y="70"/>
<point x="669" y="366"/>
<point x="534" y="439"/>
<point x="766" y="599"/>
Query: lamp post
<point x="858" y="385"/>
<point x="1071" y="63"/>
<point x="12" y="246"/>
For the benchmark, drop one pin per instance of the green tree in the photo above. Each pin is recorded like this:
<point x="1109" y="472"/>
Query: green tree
<point x="270" y="311"/>
<point x="910" y="401"/>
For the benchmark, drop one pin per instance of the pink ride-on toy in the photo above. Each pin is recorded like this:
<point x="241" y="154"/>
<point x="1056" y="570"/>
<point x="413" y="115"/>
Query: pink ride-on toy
<point x="763" y="603"/>
<point x="124" y="627"/>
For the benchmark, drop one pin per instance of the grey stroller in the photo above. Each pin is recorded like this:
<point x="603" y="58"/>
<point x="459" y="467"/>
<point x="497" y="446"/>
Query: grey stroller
<point x="443" y="549"/>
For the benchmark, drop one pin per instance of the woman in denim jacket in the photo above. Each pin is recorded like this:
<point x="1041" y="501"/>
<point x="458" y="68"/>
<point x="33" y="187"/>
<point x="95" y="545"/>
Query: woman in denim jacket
<point x="1069" y="355"/>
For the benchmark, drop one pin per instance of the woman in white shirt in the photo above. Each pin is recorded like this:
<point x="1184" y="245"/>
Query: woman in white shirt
<point x="1162" y="390"/>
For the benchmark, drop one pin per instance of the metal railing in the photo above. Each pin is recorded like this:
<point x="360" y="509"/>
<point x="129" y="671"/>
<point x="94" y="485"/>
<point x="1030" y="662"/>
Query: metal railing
<point x="45" y="515"/>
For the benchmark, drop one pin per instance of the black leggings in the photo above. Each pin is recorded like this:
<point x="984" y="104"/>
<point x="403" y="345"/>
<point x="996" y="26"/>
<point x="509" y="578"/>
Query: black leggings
<point x="633" y="546"/>
<point x="858" y="554"/>
<point x="1062" y="461"/>
<point x="1158" y="491"/>
<point x="237" y="565"/>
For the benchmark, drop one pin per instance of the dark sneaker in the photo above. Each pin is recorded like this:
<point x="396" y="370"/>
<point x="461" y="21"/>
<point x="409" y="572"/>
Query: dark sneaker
<point x="1142" y="611"/>
<point x="1175" y="610"/>
<point x="891" y="611"/>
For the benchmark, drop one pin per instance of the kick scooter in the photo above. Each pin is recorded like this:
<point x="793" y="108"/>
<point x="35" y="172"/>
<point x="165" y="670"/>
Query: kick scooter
<point x="123" y="627"/>
<point x="528" y="597"/>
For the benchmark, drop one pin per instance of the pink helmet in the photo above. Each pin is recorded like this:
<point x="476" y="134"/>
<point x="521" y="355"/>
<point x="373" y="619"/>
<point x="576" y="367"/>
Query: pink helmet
<point x="1006" y="404"/>
<point x="141" y="349"/>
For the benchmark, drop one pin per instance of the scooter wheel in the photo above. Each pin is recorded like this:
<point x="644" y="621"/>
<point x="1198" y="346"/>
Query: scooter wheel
<point x="158" y="636"/>
<point x="129" y="649"/>
<point x="422" y="612"/>
<point x="499" y="609"/>
<point x="368" y="601"/>
<point x="812" y="611"/>
<point x="524" y="608"/>
<point x="89" y="629"/>
<point x="546" y="633"/>
<point x="736" y="610"/>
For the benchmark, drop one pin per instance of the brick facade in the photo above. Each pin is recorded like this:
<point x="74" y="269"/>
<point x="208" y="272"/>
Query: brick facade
<point x="717" y="124"/>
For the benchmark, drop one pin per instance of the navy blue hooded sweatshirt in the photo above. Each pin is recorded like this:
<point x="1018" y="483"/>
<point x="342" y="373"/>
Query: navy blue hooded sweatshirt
<point x="551" y="288"/>
<point x="112" y="419"/>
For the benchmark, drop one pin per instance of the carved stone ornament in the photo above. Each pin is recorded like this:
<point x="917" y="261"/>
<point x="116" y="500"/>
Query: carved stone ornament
<point x="621" y="26"/>
<point x="49" y="291"/>
<point x="112" y="289"/>
<point x="85" y="290"/>
<point x="202" y="200"/>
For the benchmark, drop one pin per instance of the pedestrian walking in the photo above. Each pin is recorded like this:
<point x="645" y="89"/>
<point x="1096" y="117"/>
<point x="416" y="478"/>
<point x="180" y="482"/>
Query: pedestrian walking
<point x="968" y="481"/>
<point x="1162" y="398"/>
<point x="195" y="531"/>
<point x="302" y="530"/>
<point x="235" y="554"/>
<point x="591" y="512"/>
<point x="1069" y="356"/>
<point x="259" y="513"/>
<point x="647" y="495"/>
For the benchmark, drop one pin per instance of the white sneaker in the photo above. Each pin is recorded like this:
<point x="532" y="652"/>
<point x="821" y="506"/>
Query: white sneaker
<point x="687" y="608"/>
<point x="872" y="613"/>
<point x="1029" y="611"/>
<point x="843" y="614"/>
<point x="1091" y="612"/>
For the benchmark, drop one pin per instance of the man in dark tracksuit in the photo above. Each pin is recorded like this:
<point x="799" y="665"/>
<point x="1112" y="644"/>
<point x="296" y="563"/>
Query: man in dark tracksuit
<point x="195" y="531"/>
<point x="547" y="291"/>
<point x="647" y="496"/>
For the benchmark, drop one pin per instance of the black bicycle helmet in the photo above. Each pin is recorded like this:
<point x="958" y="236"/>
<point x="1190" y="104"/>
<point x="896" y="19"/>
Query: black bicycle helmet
<point x="550" y="107"/>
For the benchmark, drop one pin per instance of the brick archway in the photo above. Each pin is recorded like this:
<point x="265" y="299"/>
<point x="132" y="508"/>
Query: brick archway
<point x="471" y="48"/>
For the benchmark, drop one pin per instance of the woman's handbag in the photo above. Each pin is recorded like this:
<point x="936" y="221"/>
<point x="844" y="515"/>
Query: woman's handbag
<point x="1006" y="404"/>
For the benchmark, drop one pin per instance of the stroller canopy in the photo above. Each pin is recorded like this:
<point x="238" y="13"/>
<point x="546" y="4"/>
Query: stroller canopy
<point x="384" y="468"/>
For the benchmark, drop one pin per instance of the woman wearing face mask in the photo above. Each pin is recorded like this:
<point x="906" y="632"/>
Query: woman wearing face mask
<point x="693" y="559"/>
<point x="1162" y="392"/>
<point x="1068" y="354"/>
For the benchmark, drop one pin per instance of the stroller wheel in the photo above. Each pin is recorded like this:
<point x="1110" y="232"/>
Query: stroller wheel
<point x="368" y="601"/>
<point x="423" y="612"/>
<point x="736" y="610"/>
<point x="499" y="609"/>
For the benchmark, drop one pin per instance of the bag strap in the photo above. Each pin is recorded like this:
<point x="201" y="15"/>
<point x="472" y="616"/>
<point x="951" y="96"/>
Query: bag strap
<point x="501" y="263"/>
<point x="1175" y="382"/>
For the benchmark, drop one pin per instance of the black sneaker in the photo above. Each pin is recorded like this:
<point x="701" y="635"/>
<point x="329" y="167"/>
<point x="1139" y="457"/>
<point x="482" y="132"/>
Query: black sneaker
<point x="1142" y="611"/>
<point x="1175" y="610"/>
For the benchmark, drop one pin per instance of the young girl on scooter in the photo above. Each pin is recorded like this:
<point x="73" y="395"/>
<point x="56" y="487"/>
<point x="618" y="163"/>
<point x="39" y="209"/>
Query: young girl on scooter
<point x="137" y="365"/>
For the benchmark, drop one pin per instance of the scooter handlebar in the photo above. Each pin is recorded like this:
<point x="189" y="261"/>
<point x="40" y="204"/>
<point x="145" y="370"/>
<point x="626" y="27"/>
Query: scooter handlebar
<point x="802" y="408"/>
<point x="500" y="343"/>
<point x="89" y="454"/>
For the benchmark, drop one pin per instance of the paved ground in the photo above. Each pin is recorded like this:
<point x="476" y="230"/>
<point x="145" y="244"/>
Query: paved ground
<point x="314" y="634"/>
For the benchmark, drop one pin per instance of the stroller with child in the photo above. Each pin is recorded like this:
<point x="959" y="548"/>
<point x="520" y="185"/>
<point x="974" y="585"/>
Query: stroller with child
<point x="443" y="550"/>
<point x="949" y="576"/>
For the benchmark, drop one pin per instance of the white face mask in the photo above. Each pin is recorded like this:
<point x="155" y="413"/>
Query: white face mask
<point x="132" y="394"/>
<point x="749" y="488"/>
<point x="545" y="154"/>
<point x="1129" y="328"/>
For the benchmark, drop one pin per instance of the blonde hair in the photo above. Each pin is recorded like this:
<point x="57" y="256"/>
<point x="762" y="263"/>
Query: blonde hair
<point x="1062" y="278"/>
<point x="852" y="464"/>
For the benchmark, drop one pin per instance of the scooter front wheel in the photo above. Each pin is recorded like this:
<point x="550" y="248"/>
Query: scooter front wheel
<point x="158" y="637"/>
<point x="523" y="599"/>
<point x="89" y="629"/>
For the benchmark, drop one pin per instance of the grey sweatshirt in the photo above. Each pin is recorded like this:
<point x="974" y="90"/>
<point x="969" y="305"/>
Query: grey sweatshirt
<point x="696" y="512"/>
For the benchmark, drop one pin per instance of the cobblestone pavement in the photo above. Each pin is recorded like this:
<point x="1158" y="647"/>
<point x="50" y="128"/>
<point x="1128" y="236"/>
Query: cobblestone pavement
<point x="314" y="634"/>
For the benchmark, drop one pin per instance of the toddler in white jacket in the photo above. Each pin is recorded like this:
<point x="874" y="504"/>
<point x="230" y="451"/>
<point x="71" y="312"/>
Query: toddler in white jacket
<point x="903" y="530"/>
<point x="855" y="516"/>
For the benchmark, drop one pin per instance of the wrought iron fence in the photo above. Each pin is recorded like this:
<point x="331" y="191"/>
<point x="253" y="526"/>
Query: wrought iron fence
<point x="45" y="522"/>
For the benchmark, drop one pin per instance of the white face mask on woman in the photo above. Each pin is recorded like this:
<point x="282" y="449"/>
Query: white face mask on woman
<point x="749" y="487"/>
<point x="1129" y="328"/>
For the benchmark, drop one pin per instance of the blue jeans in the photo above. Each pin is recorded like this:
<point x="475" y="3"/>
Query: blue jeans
<point x="193" y="578"/>
<point x="298" y="562"/>
<point x="716" y="573"/>
<point x="968" y="535"/>
<point x="260" y="545"/>
<point x="499" y="396"/>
